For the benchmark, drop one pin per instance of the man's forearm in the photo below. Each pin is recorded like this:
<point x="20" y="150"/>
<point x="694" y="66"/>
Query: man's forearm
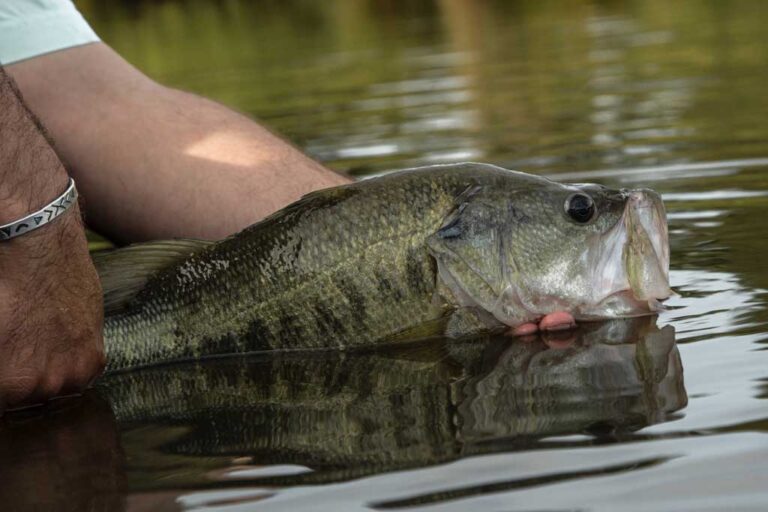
<point x="50" y="299"/>
<point x="30" y="172"/>
<point x="155" y="162"/>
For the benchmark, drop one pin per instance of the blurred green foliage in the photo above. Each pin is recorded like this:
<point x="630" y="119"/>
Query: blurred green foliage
<point x="575" y="82"/>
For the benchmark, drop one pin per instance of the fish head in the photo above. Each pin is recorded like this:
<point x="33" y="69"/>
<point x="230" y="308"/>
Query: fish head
<point x="530" y="247"/>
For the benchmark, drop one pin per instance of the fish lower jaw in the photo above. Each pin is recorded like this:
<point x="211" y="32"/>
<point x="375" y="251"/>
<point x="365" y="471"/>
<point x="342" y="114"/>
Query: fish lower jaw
<point x="515" y="311"/>
<point x="620" y="304"/>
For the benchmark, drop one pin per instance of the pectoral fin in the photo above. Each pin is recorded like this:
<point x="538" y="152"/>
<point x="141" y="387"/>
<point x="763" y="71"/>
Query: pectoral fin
<point x="468" y="322"/>
<point x="425" y="330"/>
<point x="459" y="323"/>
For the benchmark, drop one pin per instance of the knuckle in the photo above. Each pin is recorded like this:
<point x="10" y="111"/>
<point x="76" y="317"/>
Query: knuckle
<point x="88" y="369"/>
<point x="51" y="385"/>
<point x="19" y="388"/>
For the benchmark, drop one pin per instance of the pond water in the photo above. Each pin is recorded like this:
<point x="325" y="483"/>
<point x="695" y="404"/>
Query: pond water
<point x="666" y="413"/>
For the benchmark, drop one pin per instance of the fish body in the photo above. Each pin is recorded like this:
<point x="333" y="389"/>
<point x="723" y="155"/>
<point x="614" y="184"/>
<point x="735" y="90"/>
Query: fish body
<point x="443" y="250"/>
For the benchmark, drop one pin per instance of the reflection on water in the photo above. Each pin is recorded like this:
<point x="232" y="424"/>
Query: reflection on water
<point x="344" y="415"/>
<point x="669" y="95"/>
<point x="306" y="420"/>
<point x="67" y="457"/>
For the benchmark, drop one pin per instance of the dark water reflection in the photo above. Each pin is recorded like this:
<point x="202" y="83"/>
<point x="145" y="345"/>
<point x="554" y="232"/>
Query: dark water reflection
<point x="267" y="421"/>
<point x="669" y="95"/>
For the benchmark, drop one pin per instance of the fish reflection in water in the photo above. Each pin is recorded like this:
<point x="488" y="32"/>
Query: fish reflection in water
<point x="620" y="375"/>
<point x="344" y="415"/>
<point x="337" y="416"/>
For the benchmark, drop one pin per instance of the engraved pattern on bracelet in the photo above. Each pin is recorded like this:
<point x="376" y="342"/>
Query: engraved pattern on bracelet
<point x="41" y="217"/>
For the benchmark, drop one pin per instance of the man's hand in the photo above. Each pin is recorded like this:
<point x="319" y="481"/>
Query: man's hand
<point x="50" y="299"/>
<point x="50" y="315"/>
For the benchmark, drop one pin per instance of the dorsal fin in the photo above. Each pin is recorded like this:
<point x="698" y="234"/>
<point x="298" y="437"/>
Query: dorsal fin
<point x="124" y="272"/>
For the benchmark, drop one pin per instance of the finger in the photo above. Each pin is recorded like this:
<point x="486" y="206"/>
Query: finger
<point x="524" y="330"/>
<point x="20" y="389"/>
<point x="557" y="321"/>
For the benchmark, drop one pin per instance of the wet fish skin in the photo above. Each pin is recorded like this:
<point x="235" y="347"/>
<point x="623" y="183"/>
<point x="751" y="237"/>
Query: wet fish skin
<point x="313" y="275"/>
<point x="448" y="249"/>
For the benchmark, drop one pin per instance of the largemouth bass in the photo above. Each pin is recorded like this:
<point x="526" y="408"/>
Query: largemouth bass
<point x="445" y="250"/>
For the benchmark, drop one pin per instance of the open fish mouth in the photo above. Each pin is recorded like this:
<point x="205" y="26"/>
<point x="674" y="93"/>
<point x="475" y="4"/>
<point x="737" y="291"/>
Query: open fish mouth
<point x="630" y="263"/>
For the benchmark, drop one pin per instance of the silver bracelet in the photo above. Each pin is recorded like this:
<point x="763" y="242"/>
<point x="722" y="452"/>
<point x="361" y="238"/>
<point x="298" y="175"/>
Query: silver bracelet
<point x="35" y="220"/>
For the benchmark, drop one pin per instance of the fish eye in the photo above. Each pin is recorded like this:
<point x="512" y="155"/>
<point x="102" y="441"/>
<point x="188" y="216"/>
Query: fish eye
<point x="580" y="208"/>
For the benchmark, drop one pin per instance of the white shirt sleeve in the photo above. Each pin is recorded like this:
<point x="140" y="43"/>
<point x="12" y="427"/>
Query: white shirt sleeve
<point x="29" y="28"/>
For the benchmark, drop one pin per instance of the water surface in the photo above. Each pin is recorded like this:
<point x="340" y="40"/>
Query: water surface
<point x="666" y="413"/>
